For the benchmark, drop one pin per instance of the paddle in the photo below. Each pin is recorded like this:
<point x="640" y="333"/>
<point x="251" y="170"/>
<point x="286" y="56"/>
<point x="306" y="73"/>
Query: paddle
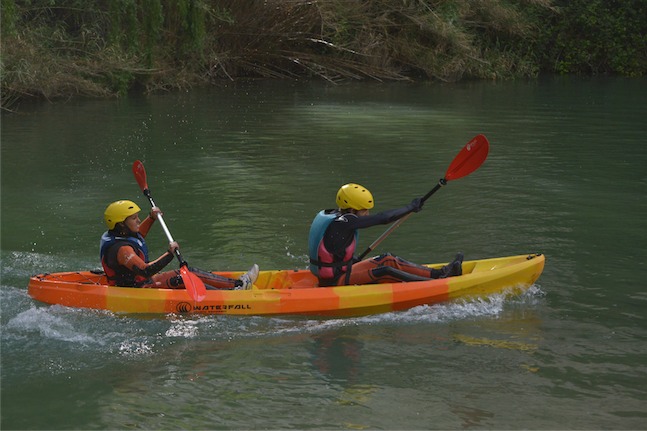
<point x="193" y="284"/>
<point x="469" y="159"/>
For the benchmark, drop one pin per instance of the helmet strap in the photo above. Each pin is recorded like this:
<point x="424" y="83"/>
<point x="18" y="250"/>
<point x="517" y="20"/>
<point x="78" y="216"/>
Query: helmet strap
<point x="122" y="229"/>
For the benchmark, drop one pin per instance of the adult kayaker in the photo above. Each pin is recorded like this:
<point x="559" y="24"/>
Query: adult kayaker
<point x="333" y="240"/>
<point x="124" y="254"/>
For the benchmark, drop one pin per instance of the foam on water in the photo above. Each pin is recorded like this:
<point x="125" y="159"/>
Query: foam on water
<point x="48" y="323"/>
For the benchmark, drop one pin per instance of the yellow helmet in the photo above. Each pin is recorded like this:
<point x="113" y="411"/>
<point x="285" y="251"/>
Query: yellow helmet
<point x="118" y="211"/>
<point x="354" y="196"/>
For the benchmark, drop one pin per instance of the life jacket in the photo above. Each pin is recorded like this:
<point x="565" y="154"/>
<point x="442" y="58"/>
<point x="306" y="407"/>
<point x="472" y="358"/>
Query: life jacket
<point x="117" y="274"/>
<point x="322" y="261"/>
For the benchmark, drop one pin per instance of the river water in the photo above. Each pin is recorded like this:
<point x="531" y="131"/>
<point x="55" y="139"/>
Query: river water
<point x="240" y="170"/>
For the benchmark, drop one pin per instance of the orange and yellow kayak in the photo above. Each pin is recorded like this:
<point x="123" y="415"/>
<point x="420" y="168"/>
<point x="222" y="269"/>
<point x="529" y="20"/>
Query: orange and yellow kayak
<point x="285" y="292"/>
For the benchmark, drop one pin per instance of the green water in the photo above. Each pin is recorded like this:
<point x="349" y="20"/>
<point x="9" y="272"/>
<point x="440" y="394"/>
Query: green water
<point x="241" y="170"/>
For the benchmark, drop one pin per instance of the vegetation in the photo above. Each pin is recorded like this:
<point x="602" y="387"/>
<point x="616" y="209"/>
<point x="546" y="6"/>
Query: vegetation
<point x="61" y="48"/>
<point x="597" y="37"/>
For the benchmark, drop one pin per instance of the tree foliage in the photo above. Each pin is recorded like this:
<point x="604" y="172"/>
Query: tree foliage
<point x="591" y="37"/>
<point x="59" y="48"/>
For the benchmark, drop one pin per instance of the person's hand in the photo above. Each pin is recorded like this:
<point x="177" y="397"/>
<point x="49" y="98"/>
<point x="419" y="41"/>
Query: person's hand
<point x="173" y="246"/>
<point x="155" y="212"/>
<point x="416" y="204"/>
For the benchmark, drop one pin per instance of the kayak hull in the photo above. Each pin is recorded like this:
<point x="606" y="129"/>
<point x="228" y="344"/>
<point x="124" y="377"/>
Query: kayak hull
<point x="286" y="292"/>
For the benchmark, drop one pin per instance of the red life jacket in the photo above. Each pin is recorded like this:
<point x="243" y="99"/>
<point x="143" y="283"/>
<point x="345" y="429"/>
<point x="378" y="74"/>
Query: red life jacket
<point x="119" y="275"/>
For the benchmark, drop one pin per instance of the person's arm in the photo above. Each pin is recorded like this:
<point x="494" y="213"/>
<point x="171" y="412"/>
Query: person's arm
<point x="385" y="217"/>
<point x="145" y="226"/>
<point x="340" y="233"/>
<point x="127" y="257"/>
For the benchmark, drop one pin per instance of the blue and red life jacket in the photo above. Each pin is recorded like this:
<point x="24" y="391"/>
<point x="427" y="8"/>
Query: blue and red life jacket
<point x="322" y="261"/>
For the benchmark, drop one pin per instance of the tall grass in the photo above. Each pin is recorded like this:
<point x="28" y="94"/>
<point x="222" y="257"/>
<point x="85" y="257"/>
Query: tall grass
<point x="61" y="48"/>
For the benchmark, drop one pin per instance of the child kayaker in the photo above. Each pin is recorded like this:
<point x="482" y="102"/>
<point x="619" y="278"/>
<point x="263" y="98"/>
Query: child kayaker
<point x="124" y="254"/>
<point x="333" y="240"/>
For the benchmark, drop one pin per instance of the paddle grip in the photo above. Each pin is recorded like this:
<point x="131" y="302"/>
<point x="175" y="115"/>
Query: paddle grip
<point x="441" y="183"/>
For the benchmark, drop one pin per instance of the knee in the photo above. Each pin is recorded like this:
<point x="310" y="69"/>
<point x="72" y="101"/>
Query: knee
<point x="382" y="271"/>
<point x="385" y="257"/>
<point x="174" y="282"/>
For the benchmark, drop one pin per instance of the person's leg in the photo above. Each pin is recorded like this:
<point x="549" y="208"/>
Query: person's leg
<point x="245" y="282"/>
<point x="165" y="280"/>
<point x="387" y="274"/>
<point x="404" y="265"/>
<point x="450" y="270"/>
<point x="214" y="281"/>
<point x="387" y="268"/>
<point x="384" y="269"/>
<point x="173" y="280"/>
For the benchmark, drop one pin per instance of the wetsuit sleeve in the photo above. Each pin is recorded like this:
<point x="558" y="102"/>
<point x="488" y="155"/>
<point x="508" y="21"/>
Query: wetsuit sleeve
<point x="145" y="226"/>
<point x="126" y="256"/>
<point x="341" y="232"/>
<point x="384" y="217"/>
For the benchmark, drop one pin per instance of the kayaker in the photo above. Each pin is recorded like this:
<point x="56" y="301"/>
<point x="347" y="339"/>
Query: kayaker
<point x="333" y="240"/>
<point x="124" y="254"/>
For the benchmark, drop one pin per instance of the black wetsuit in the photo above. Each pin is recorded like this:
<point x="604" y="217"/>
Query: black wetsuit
<point x="341" y="231"/>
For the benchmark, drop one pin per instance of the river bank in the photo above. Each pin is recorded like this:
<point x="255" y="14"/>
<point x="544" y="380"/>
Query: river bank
<point x="53" y="50"/>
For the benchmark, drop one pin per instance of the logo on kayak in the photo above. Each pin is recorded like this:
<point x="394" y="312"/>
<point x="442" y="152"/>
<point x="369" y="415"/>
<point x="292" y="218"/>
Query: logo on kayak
<point x="186" y="307"/>
<point x="183" y="307"/>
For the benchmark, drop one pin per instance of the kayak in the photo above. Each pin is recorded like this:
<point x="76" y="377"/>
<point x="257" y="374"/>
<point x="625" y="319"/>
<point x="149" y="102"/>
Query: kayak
<point x="285" y="292"/>
<point x="291" y="292"/>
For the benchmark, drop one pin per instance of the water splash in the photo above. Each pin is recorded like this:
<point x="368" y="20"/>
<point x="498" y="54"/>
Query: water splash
<point x="48" y="324"/>
<point x="135" y="349"/>
<point x="182" y="328"/>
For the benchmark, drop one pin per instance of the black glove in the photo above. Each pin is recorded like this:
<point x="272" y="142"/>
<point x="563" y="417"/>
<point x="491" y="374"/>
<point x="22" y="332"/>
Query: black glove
<point x="416" y="204"/>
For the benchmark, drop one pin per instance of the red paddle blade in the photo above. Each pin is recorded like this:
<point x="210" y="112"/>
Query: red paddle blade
<point x="470" y="158"/>
<point x="193" y="284"/>
<point x="140" y="174"/>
